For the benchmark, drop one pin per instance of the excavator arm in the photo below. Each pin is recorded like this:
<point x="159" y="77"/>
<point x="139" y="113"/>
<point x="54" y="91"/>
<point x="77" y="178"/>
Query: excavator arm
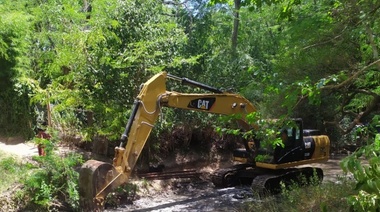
<point x="97" y="179"/>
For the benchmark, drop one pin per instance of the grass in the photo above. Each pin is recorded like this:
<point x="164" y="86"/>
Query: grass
<point x="12" y="170"/>
<point x="327" y="196"/>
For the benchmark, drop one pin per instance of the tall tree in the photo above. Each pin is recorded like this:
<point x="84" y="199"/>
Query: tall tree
<point x="328" y="49"/>
<point x="93" y="56"/>
<point x="15" y="31"/>
<point x="285" y="11"/>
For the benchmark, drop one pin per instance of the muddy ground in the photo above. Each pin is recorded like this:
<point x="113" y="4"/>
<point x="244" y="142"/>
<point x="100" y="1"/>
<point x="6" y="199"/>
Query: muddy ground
<point x="200" y="194"/>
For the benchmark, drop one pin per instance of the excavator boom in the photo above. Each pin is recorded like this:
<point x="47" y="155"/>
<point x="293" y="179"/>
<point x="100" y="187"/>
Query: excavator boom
<point x="97" y="178"/>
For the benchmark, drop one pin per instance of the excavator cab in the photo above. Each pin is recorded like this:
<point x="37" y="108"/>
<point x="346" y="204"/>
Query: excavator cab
<point x="299" y="146"/>
<point x="292" y="138"/>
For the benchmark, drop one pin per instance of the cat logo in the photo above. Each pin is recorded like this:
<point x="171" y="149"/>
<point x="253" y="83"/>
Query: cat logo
<point x="202" y="103"/>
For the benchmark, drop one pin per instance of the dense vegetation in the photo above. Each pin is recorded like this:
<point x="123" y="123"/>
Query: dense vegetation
<point x="79" y="63"/>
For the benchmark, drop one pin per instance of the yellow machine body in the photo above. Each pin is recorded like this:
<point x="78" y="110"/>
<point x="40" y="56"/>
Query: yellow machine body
<point x="97" y="179"/>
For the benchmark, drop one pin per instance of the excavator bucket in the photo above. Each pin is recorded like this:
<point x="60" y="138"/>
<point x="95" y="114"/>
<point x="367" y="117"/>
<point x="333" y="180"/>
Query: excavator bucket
<point x="96" y="180"/>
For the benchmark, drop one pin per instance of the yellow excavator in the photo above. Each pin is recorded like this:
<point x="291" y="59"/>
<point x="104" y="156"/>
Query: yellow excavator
<point x="97" y="179"/>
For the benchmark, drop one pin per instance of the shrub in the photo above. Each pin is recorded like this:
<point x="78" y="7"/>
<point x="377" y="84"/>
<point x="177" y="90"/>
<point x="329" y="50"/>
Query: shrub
<point x="54" y="182"/>
<point x="367" y="176"/>
<point x="328" y="196"/>
<point x="12" y="170"/>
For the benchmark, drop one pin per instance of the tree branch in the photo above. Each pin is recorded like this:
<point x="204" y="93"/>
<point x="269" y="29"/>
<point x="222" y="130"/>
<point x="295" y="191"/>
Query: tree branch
<point x="350" y="79"/>
<point x="174" y="3"/>
<point x="370" y="13"/>
<point x="324" y="42"/>
<point x="357" y="117"/>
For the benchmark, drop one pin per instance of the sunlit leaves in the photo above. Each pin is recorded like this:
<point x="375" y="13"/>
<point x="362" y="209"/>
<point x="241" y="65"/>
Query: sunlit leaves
<point x="15" y="61"/>
<point x="366" y="175"/>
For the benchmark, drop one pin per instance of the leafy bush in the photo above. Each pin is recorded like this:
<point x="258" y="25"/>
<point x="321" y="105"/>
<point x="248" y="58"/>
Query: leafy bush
<point x="328" y="196"/>
<point x="56" y="181"/>
<point x="367" y="176"/>
<point x="12" y="170"/>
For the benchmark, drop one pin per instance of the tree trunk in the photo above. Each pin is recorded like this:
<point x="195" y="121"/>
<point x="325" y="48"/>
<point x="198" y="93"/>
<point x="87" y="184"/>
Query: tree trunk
<point x="236" y="26"/>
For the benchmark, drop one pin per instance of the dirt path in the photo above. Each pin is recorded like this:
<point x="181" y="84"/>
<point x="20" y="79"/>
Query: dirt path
<point x="26" y="149"/>
<point x="18" y="146"/>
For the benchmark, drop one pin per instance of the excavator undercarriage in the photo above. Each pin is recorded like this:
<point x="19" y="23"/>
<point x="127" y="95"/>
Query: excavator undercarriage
<point x="97" y="179"/>
<point x="264" y="180"/>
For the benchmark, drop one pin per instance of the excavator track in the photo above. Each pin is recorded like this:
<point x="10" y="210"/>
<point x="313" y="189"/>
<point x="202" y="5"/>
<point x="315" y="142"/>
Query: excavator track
<point x="259" y="183"/>
<point x="227" y="177"/>
<point x="272" y="183"/>
<point x="263" y="181"/>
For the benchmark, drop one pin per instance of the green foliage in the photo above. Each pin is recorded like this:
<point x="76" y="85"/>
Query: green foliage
<point x="285" y="11"/>
<point x="14" y="62"/>
<point x="263" y="157"/>
<point x="367" y="176"/>
<point x="56" y="179"/>
<point x="268" y="132"/>
<point x="8" y="164"/>
<point x="292" y="58"/>
<point x="13" y="170"/>
<point x="328" y="196"/>
<point x="93" y="60"/>
<point x="124" y="194"/>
